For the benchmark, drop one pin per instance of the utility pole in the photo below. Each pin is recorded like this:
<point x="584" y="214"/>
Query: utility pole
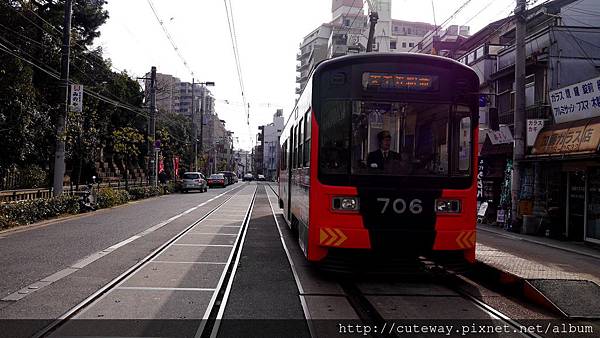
<point x="152" y="126"/>
<point x="519" y="109"/>
<point x="194" y="155"/>
<point x="59" y="155"/>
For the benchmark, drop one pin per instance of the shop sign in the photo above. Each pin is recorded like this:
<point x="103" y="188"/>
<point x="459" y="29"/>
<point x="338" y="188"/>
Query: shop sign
<point x="582" y="139"/>
<point x="576" y="102"/>
<point x="533" y="129"/>
<point x="501" y="136"/>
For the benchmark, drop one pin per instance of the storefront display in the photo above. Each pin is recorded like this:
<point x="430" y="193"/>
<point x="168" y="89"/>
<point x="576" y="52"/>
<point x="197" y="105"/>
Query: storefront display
<point x="592" y="232"/>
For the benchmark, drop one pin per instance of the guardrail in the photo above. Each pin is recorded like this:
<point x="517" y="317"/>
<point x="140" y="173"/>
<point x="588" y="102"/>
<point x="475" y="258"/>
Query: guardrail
<point x="32" y="194"/>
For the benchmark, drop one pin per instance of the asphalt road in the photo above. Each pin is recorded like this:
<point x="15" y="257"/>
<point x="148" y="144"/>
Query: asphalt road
<point x="37" y="252"/>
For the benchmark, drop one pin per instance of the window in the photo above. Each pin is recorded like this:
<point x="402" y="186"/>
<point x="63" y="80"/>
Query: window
<point x="403" y="44"/>
<point x="307" y="138"/>
<point x="392" y="44"/>
<point x="395" y="138"/>
<point x="347" y="22"/>
<point x="411" y="44"/>
<point x="409" y="31"/>
<point x="300" y="144"/>
<point x="480" y="52"/>
<point x="294" y="147"/>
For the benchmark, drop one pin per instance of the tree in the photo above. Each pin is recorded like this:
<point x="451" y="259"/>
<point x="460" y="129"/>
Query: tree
<point x="126" y="144"/>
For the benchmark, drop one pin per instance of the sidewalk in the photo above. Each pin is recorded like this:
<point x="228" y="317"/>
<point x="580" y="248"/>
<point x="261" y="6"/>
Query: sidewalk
<point x="561" y="275"/>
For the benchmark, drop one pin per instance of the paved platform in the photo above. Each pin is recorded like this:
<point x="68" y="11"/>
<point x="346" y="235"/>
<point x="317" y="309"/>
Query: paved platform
<point x="563" y="276"/>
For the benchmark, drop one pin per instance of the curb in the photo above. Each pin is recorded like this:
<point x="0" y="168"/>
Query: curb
<point x="513" y="284"/>
<point x="519" y="238"/>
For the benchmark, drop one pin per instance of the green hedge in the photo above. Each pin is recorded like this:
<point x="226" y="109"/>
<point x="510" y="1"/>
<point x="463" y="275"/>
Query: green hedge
<point x="138" y="193"/>
<point x="27" y="212"/>
<point x="109" y="197"/>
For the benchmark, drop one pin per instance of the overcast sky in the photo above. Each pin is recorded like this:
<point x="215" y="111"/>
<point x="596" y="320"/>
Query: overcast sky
<point x="268" y="34"/>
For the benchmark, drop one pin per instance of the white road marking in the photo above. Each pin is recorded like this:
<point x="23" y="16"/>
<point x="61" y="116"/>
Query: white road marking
<point x="22" y="293"/>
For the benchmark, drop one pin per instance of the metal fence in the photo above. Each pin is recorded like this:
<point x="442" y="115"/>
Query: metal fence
<point x="32" y="194"/>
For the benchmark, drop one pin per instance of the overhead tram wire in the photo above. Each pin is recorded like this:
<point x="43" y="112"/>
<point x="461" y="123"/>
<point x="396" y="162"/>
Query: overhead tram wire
<point x="234" y="45"/>
<point x="170" y="38"/>
<point x="443" y="23"/>
<point x="233" y="37"/>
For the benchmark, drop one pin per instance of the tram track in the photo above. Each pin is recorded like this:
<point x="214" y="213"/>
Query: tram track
<point x="218" y="301"/>
<point x="368" y="313"/>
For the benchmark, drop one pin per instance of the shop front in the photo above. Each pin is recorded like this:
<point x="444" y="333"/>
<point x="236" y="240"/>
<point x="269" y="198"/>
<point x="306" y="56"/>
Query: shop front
<point x="568" y="163"/>
<point x="495" y="152"/>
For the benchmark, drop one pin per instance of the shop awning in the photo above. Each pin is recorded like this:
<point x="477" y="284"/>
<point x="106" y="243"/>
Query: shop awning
<point x="573" y="138"/>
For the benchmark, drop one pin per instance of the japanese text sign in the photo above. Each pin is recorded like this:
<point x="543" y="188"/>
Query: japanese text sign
<point x="576" y="102"/>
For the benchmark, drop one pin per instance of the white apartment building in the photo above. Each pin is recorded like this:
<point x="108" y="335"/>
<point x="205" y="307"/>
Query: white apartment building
<point x="272" y="133"/>
<point x="347" y="33"/>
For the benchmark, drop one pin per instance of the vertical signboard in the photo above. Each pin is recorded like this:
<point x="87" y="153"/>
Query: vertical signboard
<point x="76" y="104"/>
<point x="533" y="129"/>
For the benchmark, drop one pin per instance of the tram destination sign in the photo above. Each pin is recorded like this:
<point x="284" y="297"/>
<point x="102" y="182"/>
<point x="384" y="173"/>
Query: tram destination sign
<point x="399" y="82"/>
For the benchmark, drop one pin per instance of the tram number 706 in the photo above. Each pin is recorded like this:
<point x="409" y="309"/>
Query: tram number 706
<point x="399" y="205"/>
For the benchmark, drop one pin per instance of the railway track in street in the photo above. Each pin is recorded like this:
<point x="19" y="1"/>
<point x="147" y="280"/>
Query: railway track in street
<point x="385" y="305"/>
<point x="134" y="292"/>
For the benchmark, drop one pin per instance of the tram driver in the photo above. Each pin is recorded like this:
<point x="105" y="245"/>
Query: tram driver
<point x="386" y="159"/>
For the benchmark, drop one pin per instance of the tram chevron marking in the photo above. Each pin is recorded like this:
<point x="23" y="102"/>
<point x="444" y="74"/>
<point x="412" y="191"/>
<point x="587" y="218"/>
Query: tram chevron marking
<point x="343" y="237"/>
<point x="466" y="239"/>
<point x="328" y="236"/>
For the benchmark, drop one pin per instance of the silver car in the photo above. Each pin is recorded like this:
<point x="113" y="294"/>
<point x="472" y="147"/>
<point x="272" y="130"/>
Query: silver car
<point x="194" y="181"/>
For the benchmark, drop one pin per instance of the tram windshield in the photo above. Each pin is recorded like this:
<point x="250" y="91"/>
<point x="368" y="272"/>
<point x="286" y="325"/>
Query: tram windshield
<point x="395" y="138"/>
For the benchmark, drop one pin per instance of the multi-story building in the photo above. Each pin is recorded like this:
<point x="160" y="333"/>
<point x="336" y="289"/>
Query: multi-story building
<point x="272" y="133"/>
<point x="347" y="33"/>
<point x="560" y="177"/>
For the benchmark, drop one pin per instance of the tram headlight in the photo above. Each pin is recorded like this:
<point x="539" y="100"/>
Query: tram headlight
<point x="448" y="206"/>
<point x="345" y="203"/>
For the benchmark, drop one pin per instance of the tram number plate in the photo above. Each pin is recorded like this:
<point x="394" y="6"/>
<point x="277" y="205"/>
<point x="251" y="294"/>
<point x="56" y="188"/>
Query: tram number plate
<point x="400" y="206"/>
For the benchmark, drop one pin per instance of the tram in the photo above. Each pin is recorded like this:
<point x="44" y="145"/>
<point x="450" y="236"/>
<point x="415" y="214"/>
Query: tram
<point x="379" y="155"/>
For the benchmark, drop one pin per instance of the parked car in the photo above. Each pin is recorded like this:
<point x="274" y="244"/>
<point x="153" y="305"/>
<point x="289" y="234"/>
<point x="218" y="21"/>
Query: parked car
<point x="217" y="180"/>
<point x="248" y="177"/>
<point x="261" y="177"/>
<point x="229" y="176"/>
<point x="194" y="181"/>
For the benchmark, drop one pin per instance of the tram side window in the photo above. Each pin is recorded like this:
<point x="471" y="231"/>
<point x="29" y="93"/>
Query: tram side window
<point x="307" y="139"/>
<point x="300" y="143"/>
<point x="463" y="135"/>
<point x="334" y="131"/>
<point x="283" y="164"/>
<point x="294" y="148"/>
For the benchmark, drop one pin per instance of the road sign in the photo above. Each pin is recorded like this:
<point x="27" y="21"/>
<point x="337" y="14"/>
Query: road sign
<point x="76" y="104"/>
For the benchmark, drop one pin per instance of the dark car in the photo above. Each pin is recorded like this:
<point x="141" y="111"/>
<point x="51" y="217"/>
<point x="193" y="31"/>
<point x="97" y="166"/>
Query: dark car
<point x="217" y="180"/>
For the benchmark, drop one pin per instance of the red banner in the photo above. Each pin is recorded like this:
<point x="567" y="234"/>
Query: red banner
<point x="176" y="167"/>
<point x="161" y="165"/>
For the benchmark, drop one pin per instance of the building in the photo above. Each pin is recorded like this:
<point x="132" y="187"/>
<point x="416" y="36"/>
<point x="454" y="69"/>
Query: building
<point x="243" y="158"/>
<point x="178" y="97"/>
<point x="272" y="133"/>
<point x="258" y="152"/>
<point x="347" y="33"/>
<point x="560" y="191"/>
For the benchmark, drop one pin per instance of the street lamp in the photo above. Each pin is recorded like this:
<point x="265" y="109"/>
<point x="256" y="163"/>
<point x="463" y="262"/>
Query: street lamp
<point x="194" y="164"/>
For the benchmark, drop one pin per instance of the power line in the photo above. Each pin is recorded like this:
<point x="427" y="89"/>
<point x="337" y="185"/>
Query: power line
<point x="53" y="73"/>
<point x="234" y="45"/>
<point x="57" y="36"/>
<point x="443" y="23"/>
<point x="170" y="38"/>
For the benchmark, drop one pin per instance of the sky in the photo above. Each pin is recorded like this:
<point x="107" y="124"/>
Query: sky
<point x="268" y="36"/>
